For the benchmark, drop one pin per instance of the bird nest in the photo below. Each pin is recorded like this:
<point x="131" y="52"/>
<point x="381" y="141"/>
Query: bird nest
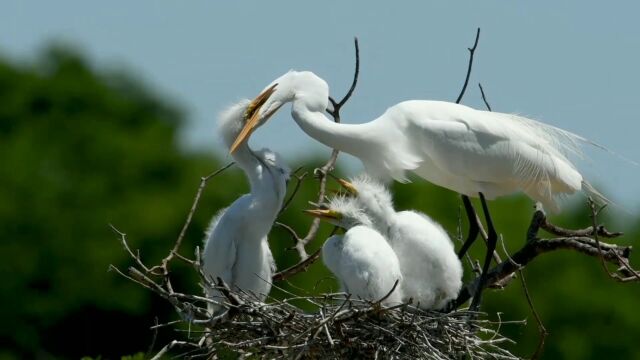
<point x="340" y="327"/>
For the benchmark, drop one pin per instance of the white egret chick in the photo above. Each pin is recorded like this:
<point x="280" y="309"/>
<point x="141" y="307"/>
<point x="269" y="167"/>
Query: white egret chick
<point x="361" y="259"/>
<point x="236" y="247"/>
<point x="431" y="270"/>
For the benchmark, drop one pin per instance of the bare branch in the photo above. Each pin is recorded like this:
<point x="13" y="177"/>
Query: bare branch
<point x="542" y="330"/>
<point x="203" y="183"/>
<point x="486" y="103"/>
<point x="624" y="264"/>
<point x="297" y="268"/>
<point x="299" y="179"/>
<point x="322" y="176"/>
<point x="534" y="246"/>
<point x="472" y="51"/>
<point x="338" y="105"/>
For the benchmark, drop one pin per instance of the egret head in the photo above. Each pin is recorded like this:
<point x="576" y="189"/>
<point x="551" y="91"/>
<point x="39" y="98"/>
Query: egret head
<point x="343" y="212"/>
<point x="289" y="87"/>
<point x="371" y="195"/>
<point x="231" y="121"/>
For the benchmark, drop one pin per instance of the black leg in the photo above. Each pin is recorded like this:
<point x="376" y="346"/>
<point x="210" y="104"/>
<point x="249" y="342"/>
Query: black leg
<point x="492" y="241"/>
<point x="473" y="226"/>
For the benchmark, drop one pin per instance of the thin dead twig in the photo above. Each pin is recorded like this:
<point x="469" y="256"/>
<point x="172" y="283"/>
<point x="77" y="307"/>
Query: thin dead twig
<point x="203" y="183"/>
<point x="472" y="51"/>
<point x="534" y="247"/>
<point x="321" y="174"/>
<point x="595" y="211"/>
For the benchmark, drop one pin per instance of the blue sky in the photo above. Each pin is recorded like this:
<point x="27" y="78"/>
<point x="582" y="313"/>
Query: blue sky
<point x="573" y="64"/>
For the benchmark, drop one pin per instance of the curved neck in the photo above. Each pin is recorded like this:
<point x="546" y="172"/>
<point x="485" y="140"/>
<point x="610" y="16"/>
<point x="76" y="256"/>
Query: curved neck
<point x="264" y="189"/>
<point x="344" y="137"/>
<point x="248" y="162"/>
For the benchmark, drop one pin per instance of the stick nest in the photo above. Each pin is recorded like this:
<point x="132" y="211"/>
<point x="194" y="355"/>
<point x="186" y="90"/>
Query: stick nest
<point x="340" y="327"/>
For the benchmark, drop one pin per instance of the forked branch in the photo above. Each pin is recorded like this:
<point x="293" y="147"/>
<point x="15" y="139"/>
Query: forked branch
<point x="534" y="246"/>
<point x="322" y="175"/>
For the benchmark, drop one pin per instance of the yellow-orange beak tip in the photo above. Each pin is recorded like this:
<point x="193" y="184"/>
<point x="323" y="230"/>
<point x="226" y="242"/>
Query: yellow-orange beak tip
<point x="322" y="213"/>
<point x="348" y="186"/>
<point x="252" y="115"/>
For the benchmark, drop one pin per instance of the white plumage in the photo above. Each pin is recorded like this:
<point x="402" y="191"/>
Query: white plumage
<point x="236" y="247"/>
<point x="454" y="146"/>
<point x="361" y="259"/>
<point x="431" y="271"/>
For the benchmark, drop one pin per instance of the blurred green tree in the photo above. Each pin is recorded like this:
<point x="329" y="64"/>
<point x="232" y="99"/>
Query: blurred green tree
<point x="80" y="149"/>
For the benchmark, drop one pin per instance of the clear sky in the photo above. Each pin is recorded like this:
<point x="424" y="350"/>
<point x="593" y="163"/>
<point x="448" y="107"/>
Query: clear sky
<point x="573" y="64"/>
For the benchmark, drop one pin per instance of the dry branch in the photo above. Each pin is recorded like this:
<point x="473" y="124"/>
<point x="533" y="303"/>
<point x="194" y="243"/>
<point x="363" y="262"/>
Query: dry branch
<point x="534" y="246"/>
<point x="322" y="173"/>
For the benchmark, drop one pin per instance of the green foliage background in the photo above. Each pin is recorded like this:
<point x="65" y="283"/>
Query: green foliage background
<point x="81" y="148"/>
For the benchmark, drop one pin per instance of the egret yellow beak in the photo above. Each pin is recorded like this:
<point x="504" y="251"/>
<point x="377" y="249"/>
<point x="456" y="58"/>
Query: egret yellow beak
<point x="348" y="186"/>
<point x="252" y="115"/>
<point x="324" y="214"/>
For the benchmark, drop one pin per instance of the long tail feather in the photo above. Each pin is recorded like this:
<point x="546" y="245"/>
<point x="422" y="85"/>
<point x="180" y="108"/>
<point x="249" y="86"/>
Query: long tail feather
<point x="594" y="194"/>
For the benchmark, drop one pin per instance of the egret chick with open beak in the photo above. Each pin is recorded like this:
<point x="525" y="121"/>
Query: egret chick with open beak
<point x="430" y="267"/>
<point x="361" y="259"/>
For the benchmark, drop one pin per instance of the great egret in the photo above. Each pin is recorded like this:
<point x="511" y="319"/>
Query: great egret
<point x="431" y="270"/>
<point x="361" y="259"/>
<point x="473" y="152"/>
<point x="451" y="145"/>
<point x="236" y="247"/>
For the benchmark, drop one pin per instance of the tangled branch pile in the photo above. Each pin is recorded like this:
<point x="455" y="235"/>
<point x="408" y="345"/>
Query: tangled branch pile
<point x="340" y="327"/>
<point x="344" y="327"/>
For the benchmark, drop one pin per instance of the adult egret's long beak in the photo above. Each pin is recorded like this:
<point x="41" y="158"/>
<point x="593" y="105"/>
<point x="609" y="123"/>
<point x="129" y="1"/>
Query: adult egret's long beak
<point x="253" y="115"/>
<point x="348" y="186"/>
<point x="324" y="214"/>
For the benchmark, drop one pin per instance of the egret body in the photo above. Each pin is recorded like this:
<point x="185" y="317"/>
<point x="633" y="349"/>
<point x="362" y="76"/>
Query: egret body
<point x="236" y="247"/>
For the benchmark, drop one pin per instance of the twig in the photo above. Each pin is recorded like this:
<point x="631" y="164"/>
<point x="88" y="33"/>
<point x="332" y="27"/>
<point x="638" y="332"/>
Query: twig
<point x="346" y="98"/>
<point x="170" y="346"/>
<point x="533" y="247"/>
<point x="299" y="179"/>
<point x="542" y="330"/>
<point x="486" y="103"/>
<point x="594" y="215"/>
<point x="601" y="231"/>
<point x="154" y="338"/>
<point x="299" y="267"/>
<point x="321" y="173"/>
<point x="203" y="183"/>
<point x="472" y="51"/>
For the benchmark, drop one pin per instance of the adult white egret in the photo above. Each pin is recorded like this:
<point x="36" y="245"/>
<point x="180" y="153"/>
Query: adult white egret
<point x="472" y="152"/>
<point x="236" y="247"/>
<point x="431" y="270"/>
<point x="451" y="145"/>
<point x="361" y="259"/>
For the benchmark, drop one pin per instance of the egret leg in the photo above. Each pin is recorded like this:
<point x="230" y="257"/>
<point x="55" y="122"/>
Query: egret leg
<point x="473" y="226"/>
<point x="492" y="241"/>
